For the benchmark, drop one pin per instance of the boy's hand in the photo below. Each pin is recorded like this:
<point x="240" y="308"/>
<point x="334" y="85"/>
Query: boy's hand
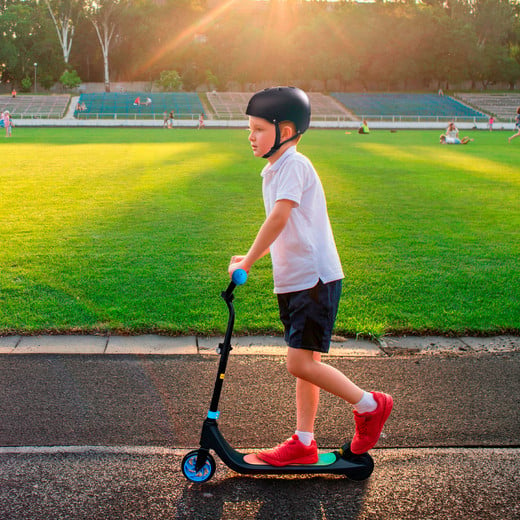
<point x="237" y="263"/>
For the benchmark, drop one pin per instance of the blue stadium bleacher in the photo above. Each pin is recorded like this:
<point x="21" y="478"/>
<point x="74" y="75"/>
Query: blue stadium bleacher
<point x="186" y="105"/>
<point x="406" y="106"/>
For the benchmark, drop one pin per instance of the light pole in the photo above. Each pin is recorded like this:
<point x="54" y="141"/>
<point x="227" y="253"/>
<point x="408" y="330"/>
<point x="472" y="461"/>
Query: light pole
<point x="35" y="69"/>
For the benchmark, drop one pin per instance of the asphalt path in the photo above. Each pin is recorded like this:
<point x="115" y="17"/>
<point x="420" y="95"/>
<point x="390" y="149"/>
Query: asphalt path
<point x="103" y="437"/>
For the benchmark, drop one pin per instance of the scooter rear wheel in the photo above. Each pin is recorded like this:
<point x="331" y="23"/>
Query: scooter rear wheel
<point x="204" y="474"/>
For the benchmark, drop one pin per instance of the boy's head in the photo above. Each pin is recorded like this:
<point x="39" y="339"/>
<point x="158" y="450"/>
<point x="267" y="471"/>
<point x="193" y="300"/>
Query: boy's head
<point x="284" y="107"/>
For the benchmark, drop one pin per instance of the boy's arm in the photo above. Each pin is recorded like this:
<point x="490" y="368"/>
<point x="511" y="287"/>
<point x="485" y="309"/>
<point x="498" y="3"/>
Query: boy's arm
<point x="268" y="233"/>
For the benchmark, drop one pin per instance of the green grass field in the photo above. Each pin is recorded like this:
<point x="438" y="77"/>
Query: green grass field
<point x="130" y="230"/>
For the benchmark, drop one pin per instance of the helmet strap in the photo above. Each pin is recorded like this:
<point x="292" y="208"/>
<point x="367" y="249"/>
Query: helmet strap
<point x="277" y="144"/>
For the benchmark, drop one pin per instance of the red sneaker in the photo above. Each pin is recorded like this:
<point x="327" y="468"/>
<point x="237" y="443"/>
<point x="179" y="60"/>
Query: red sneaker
<point x="369" y="425"/>
<point x="292" y="451"/>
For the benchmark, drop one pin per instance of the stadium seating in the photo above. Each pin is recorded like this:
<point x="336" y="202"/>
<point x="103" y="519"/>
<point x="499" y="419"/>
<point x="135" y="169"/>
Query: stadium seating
<point x="186" y="105"/>
<point x="407" y="106"/>
<point x="30" y="106"/>
<point x="502" y="106"/>
<point x="232" y="105"/>
<point x="229" y="105"/>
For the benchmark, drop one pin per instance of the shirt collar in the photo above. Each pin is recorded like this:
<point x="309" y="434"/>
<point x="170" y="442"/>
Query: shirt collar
<point x="273" y="168"/>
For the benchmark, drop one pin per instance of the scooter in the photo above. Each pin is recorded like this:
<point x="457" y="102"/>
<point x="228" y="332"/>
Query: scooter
<point x="199" y="465"/>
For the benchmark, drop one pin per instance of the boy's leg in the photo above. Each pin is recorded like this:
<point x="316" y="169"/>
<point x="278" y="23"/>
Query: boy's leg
<point x="307" y="400"/>
<point x="301" y="364"/>
<point x="301" y="448"/>
<point x="306" y="324"/>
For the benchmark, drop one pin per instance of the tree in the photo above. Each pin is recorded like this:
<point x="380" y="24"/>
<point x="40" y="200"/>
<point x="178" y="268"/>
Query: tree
<point x="382" y="45"/>
<point x="493" y="20"/>
<point x="64" y="14"/>
<point x="104" y="14"/>
<point x="170" y="80"/>
<point x="70" y="79"/>
<point x="26" y="38"/>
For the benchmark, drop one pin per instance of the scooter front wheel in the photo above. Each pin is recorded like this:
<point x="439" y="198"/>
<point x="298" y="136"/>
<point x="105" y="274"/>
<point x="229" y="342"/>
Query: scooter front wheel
<point x="363" y="464"/>
<point x="364" y="468"/>
<point x="204" y="474"/>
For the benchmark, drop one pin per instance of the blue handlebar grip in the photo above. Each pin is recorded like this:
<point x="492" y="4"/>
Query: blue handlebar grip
<point x="239" y="277"/>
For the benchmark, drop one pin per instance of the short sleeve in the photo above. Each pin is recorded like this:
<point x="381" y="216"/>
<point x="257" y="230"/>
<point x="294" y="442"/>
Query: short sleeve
<point x="291" y="182"/>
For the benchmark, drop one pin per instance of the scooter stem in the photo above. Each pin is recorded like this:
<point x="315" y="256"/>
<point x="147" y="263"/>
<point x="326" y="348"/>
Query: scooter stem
<point x="239" y="277"/>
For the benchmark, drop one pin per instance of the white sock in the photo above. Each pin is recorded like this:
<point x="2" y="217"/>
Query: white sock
<point x="305" y="437"/>
<point x="367" y="403"/>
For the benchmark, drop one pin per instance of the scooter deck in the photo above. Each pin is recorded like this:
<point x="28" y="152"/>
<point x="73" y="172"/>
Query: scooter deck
<point x="324" y="459"/>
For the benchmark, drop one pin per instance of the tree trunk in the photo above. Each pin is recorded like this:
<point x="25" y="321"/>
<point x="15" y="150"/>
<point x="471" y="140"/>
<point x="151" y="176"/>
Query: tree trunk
<point x="105" y="31"/>
<point x="64" y="29"/>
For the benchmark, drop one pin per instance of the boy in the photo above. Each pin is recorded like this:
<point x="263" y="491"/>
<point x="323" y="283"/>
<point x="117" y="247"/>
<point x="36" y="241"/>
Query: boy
<point x="307" y="273"/>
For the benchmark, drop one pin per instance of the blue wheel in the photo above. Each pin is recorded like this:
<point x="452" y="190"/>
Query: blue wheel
<point x="204" y="474"/>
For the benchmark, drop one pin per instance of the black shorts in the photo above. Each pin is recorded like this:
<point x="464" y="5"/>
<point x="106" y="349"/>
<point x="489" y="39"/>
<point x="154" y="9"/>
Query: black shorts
<point x="308" y="316"/>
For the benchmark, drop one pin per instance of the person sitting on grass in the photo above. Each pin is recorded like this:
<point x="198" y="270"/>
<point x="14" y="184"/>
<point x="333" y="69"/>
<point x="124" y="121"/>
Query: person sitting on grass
<point x="307" y="274"/>
<point x="363" y="129"/>
<point x="443" y="139"/>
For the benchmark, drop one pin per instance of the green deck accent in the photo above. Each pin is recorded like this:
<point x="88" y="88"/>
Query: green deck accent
<point x="324" y="459"/>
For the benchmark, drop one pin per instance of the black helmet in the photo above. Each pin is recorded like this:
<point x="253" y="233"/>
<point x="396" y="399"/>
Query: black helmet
<point x="279" y="104"/>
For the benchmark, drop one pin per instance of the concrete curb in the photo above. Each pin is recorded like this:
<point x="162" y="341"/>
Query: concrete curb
<point x="151" y="344"/>
<point x="428" y="345"/>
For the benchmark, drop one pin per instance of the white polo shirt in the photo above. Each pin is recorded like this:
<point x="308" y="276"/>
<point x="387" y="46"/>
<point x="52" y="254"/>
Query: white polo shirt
<point x="305" y="251"/>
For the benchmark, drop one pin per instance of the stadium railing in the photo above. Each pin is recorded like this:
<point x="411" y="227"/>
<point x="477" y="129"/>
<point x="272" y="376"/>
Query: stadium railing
<point x="135" y="117"/>
<point x="395" y="118"/>
<point x="423" y="118"/>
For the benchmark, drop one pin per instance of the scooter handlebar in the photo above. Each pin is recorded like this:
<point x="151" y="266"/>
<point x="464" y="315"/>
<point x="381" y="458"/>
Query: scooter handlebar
<point x="239" y="277"/>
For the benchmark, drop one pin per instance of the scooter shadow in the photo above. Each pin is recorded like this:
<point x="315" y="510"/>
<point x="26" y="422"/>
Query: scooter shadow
<point x="291" y="497"/>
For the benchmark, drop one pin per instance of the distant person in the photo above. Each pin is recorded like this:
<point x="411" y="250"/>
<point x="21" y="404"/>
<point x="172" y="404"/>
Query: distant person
<point x="166" y="119"/>
<point x="363" y="129"/>
<point x="517" y="125"/>
<point x="13" y="93"/>
<point x="452" y="132"/>
<point x="440" y="92"/>
<point x="490" y="123"/>
<point x="137" y="102"/>
<point x="147" y="102"/>
<point x="443" y="139"/>
<point x="8" y="124"/>
<point x="201" y="121"/>
<point x="172" y="117"/>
